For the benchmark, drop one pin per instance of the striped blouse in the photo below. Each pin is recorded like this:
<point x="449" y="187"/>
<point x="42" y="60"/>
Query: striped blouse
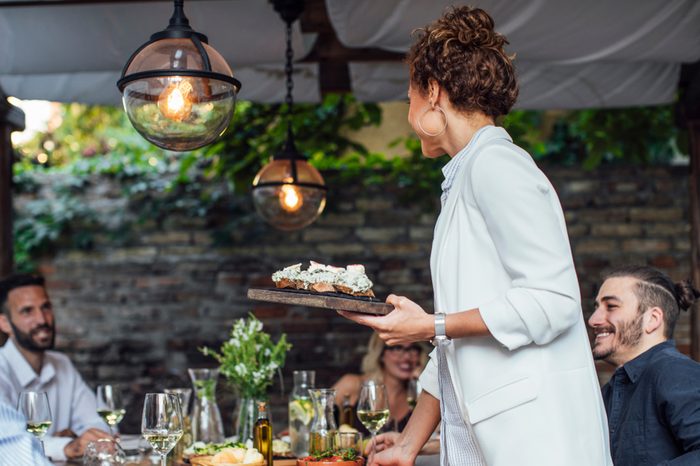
<point x="17" y="447"/>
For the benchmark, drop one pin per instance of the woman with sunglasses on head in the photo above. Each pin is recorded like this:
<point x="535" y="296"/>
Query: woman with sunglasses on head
<point x="512" y="380"/>
<point x="395" y="367"/>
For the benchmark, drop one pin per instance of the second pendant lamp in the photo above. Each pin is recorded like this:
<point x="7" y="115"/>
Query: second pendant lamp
<point x="288" y="192"/>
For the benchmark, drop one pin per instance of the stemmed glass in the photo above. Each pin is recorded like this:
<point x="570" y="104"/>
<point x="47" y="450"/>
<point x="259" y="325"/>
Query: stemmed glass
<point x="373" y="408"/>
<point x="110" y="406"/>
<point x="35" y="407"/>
<point x="161" y="424"/>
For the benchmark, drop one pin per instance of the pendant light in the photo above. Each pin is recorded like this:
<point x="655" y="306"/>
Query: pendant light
<point x="178" y="91"/>
<point x="288" y="192"/>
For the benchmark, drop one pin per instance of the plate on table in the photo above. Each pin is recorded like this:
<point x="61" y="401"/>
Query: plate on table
<point x="344" y="302"/>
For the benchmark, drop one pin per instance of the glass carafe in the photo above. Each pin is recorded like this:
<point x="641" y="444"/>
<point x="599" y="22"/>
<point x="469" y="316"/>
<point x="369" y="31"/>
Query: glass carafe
<point x="301" y="412"/>
<point x="323" y="428"/>
<point x="206" y="417"/>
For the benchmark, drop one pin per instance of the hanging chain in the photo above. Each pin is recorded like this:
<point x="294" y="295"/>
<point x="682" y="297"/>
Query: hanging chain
<point x="288" y="69"/>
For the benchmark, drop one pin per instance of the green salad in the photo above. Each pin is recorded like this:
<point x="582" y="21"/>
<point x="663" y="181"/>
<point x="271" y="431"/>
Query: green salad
<point x="339" y="454"/>
<point x="201" y="448"/>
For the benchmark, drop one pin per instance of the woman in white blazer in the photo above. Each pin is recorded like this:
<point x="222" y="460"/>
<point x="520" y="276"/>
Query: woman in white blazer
<point x="502" y="270"/>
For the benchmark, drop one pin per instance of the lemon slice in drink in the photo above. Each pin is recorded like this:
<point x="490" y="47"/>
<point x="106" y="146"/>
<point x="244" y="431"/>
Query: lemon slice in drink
<point x="301" y="410"/>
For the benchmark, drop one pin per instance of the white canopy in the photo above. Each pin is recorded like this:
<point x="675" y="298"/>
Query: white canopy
<point x="569" y="53"/>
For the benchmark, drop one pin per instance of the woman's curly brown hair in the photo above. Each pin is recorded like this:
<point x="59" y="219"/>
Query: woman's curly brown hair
<point x="463" y="53"/>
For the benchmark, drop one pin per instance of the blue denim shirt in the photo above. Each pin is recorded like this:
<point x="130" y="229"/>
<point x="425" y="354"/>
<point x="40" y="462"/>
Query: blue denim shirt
<point x="653" y="406"/>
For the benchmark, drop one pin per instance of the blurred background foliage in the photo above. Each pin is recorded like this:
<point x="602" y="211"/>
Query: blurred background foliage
<point x="83" y="143"/>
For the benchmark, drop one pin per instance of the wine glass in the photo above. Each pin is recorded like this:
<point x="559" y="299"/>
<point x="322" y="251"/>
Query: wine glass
<point x="35" y="407"/>
<point x="110" y="406"/>
<point x="373" y="408"/>
<point x="161" y="424"/>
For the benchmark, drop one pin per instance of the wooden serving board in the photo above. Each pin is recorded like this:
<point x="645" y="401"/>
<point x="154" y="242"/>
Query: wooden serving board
<point x="324" y="300"/>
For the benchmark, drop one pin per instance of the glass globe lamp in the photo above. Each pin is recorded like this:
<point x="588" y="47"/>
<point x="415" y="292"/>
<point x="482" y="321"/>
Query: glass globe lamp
<point x="289" y="194"/>
<point x="178" y="91"/>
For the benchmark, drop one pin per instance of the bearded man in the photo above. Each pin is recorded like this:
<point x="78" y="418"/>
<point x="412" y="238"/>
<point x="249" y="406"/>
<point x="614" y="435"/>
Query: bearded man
<point x="28" y="364"/>
<point x="653" y="398"/>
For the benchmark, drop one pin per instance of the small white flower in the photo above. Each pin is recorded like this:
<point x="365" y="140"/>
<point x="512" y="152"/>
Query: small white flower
<point x="240" y="369"/>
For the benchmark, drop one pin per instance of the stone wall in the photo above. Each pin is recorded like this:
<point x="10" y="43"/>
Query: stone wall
<point x="136" y="312"/>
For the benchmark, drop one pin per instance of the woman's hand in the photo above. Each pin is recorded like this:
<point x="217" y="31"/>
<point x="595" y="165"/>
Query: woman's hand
<point x="391" y="452"/>
<point x="383" y="441"/>
<point x="407" y="323"/>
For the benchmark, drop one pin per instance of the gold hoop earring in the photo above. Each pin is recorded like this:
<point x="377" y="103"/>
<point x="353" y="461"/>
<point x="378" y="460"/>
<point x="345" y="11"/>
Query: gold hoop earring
<point x="444" y="117"/>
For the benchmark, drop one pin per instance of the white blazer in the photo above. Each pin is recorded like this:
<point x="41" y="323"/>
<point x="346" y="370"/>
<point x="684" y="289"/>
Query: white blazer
<point x="530" y="391"/>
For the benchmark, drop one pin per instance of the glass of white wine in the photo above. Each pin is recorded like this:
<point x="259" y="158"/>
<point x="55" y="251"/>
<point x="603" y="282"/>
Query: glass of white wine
<point x="110" y="406"/>
<point x="35" y="407"/>
<point x="161" y="423"/>
<point x="373" y="408"/>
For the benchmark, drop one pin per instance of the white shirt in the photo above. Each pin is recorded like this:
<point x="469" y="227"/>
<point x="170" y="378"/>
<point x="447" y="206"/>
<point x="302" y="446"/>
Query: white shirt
<point x="451" y="168"/>
<point x="529" y="389"/>
<point x="72" y="402"/>
<point x="17" y="447"/>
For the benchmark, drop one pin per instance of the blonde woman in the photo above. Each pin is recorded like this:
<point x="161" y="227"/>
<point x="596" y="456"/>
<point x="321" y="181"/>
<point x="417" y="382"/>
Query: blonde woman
<point x="394" y="366"/>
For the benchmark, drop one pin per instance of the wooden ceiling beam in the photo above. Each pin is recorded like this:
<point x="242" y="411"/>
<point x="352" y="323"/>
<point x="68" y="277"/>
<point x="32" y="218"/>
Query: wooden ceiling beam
<point x="332" y="55"/>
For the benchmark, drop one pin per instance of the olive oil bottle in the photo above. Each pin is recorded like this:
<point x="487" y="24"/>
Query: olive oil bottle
<point x="262" y="433"/>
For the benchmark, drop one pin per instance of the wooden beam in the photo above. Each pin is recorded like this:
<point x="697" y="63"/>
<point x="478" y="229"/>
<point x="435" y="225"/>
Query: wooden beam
<point x="688" y="116"/>
<point x="11" y="119"/>
<point x="332" y="56"/>
<point x="6" y="247"/>
<point x="694" y="136"/>
<point x="45" y="3"/>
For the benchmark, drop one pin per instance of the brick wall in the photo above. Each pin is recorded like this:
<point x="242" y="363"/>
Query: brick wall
<point x="137" y="312"/>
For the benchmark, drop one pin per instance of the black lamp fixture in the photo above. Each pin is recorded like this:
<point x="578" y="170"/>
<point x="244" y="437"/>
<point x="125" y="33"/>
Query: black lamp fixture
<point x="288" y="192"/>
<point x="177" y="90"/>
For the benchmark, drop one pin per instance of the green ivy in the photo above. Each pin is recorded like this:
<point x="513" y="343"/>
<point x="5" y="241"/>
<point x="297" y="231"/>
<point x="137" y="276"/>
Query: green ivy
<point x="93" y="142"/>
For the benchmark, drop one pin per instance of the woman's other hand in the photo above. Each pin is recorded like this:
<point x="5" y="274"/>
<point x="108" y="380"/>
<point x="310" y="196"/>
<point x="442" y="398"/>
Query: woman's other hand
<point x="407" y="323"/>
<point x="389" y="452"/>
<point x="383" y="441"/>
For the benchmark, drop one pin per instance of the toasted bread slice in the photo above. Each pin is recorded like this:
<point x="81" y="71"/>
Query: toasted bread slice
<point x="350" y="291"/>
<point x="322" y="287"/>
<point x="286" y="283"/>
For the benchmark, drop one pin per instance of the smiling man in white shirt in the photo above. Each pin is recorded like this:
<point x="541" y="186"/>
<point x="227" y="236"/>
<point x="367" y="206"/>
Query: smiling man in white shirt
<point x="27" y="363"/>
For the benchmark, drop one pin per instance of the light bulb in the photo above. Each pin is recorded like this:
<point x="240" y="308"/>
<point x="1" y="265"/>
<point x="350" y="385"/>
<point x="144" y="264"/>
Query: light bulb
<point x="291" y="199"/>
<point x="175" y="102"/>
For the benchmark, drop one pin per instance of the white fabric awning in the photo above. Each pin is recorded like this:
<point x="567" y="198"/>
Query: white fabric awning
<point x="569" y="54"/>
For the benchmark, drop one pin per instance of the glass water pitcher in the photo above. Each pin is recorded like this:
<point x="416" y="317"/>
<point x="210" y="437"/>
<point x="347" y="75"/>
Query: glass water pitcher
<point x="301" y="412"/>
<point x="323" y="429"/>
<point x="206" y="417"/>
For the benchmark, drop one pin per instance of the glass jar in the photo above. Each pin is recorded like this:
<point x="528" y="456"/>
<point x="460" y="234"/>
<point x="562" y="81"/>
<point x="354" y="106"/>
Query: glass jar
<point x="104" y="452"/>
<point x="323" y="429"/>
<point x="206" y="417"/>
<point x="301" y="412"/>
